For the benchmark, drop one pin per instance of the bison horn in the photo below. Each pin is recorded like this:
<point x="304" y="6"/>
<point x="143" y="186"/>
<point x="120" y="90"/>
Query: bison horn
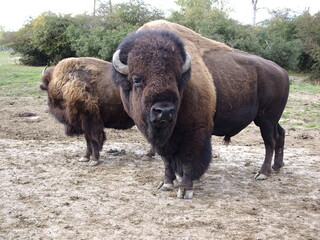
<point x="44" y="69"/>
<point x="118" y="65"/>
<point x="124" y="69"/>
<point x="187" y="63"/>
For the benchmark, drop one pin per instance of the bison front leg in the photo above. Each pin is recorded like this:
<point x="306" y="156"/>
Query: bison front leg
<point x="169" y="176"/>
<point x="185" y="190"/>
<point x="151" y="153"/>
<point x="88" y="154"/>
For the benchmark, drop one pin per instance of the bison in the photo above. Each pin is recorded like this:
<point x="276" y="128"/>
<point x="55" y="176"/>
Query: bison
<point x="82" y="96"/>
<point x="178" y="110"/>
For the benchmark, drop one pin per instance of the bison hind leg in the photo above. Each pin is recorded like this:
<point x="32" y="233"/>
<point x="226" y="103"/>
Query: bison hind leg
<point x="95" y="137"/>
<point x="278" y="158"/>
<point x="273" y="136"/>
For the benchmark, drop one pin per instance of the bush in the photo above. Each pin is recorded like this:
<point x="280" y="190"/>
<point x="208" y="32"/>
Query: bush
<point x="21" y="43"/>
<point x="308" y="27"/>
<point x="50" y="37"/>
<point x="42" y="41"/>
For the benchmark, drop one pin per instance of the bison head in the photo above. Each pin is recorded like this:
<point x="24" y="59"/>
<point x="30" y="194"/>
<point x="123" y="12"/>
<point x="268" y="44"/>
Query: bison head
<point x="152" y="68"/>
<point x="46" y="78"/>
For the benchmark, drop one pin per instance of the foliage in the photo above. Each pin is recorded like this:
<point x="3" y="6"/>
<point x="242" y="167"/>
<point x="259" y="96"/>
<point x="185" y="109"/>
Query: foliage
<point x="279" y="42"/>
<point x="291" y="41"/>
<point x="42" y="41"/>
<point x="21" y="43"/>
<point x="309" y="33"/>
<point x="276" y="39"/>
<point x="206" y="18"/>
<point x="50" y="37"/>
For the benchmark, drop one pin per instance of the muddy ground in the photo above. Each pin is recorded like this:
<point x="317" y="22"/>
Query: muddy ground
<point x="47" y="194"/>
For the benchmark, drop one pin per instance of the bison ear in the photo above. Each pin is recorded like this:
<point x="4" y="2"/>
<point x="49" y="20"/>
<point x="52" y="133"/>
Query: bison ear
<point x="121" y="80"/>
<point x="186" y="71"/>
<point x="184" y="79"/>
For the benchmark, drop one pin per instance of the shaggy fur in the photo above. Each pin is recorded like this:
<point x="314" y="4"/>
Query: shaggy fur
<point x="82" y="96"/>
<point x="227" y="87"/>
<point x="248" y="88"/>
<point x="156" y="57"/>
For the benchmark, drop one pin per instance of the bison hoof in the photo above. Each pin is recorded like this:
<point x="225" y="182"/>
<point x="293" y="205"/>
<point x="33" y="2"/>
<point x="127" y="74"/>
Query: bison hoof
<point x="93" y="163"/>
<point x="165" y="186"/>
<point x="184" y="194"/>
<point x="260" y="176"/>
<point x="83" y="159"/>
<point x="276" y="167"/>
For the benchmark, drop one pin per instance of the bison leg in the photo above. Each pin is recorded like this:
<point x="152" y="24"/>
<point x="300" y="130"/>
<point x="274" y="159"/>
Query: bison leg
<point x="151" y="152"/>
<point x="278" y="158"/>
<point x="86" y="157"/>
<point x="268" y="133"/>
<point x="93" y="130"/>
<point x="185" y="190"/>
<point x="169" y="176"/>
<point x="95" y="154"/>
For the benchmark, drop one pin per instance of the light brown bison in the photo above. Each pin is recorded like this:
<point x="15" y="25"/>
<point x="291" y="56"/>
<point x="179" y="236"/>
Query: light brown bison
<point x="82" y="96"/>
<point x="177" y="111"/>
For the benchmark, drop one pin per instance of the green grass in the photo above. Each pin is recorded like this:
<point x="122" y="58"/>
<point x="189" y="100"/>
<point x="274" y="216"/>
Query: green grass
<point x="305" y="87"/>
<point x="302" y="110"/>
<point x="18" y="80"/>
<point x="303" y="107"/>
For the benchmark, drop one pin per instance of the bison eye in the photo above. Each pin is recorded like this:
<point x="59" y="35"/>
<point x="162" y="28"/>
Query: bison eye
<point x="137" y="81"/>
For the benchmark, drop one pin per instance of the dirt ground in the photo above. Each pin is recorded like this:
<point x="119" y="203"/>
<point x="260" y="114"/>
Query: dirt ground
<point x="47" y="194"/>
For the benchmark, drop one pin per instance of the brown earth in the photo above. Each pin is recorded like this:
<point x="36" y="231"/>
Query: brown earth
<point x="47" y="194"/>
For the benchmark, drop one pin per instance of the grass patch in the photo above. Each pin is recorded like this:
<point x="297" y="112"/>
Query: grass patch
<point x="305" y="87"/>
<point x="302" y="110"/>
<point x="303" y="107"/>
<point x="18" y="80"/>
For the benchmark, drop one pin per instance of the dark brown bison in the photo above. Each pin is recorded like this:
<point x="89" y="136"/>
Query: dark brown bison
<point x="82" y="96"/>
<point x="177" y="111"/>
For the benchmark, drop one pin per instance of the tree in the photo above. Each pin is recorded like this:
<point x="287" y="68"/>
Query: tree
<point x="308" y="28"/>
<point x="279" y="40"/>
<point x="50" y="37"/>
<point x="255" y="10"/>
<point x="203" y="16"/>
<point x="43" y="40"/>
<point x="99" y="36"/>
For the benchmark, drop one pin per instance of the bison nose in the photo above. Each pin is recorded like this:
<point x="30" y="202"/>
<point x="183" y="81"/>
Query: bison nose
<point x="162" y="113"/>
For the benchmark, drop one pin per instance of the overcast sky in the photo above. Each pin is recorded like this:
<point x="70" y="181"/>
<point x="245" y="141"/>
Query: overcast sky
<point x="15" y="13"/>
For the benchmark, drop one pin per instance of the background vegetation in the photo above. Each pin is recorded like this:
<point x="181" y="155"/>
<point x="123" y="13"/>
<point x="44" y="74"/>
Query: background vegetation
<point x="302" y="110"/>
<point x="291" y="40"/>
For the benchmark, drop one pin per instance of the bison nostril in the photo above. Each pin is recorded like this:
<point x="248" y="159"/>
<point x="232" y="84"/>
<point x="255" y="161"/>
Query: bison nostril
<point x="157" y="111"/>
<point x="162" y="112"/>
